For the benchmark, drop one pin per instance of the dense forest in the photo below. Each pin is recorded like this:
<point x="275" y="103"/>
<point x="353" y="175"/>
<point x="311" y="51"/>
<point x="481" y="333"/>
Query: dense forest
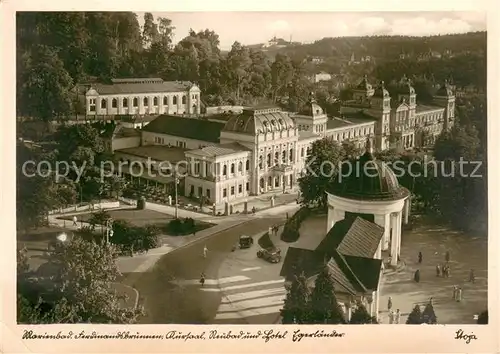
<point x="57" y="51"/>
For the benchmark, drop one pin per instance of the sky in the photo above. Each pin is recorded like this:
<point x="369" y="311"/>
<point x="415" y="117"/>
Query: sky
<point x="259" y="27"/>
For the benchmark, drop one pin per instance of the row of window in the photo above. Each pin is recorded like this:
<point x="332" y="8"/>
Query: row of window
<point x="353" y="133"/>
<point x="240" y="189"/>
<point x="232" y="167"/>
<point x="135" y="102"/>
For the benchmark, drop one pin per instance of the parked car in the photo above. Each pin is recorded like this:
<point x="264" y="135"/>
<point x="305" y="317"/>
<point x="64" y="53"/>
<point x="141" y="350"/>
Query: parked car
<point x="272" y="255"/>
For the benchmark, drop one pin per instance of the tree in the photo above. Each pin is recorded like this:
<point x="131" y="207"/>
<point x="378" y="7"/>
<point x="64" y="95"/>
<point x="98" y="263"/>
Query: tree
<point x="100" y="217"/>
<point x="323" y="305"/>
<point x="296" y="301"/>
<point x="323" y="161"/>
<point x="45" y="87"/>
<point x="81" y="288"/>
<point x="361" y="316"/>
<point x="415" y="316"/>
<point x="428" y="315"/>
<point x="150" y="30"/>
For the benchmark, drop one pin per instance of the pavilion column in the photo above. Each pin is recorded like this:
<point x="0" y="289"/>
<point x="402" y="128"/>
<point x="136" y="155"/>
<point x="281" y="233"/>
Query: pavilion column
<point x="377" y="303"/>
<point x="398" y="234"/>
<point x="387" y="232"/>
<point x="330" y="221"/>
<point x="394" y="239"/>
<point x="407" y="209"/>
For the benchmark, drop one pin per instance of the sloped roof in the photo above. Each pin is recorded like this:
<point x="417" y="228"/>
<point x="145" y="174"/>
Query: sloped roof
<point x="362" y="239"/>
<point x="121" y="88"/>
<point x="189" y="128"/>
<point x="352" y="272"/>
<point x="220" y="150"/>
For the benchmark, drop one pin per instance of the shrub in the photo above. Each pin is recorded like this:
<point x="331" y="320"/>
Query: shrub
<point x="181" y="227"/>
<point x="141" y="203"/>
<point x="291" y="229"/>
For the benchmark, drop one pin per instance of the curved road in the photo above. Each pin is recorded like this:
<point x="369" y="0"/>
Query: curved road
<point x="170" y="291"/>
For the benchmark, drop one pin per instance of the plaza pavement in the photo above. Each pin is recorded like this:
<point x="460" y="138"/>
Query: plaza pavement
<point x="252" y="290"/>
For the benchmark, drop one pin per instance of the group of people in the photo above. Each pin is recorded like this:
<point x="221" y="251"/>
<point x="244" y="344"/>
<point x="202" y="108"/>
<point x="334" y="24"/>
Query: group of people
<point x="394" y="317"/>
<point x="457" y="293"/>
<point x="443" y="271"/>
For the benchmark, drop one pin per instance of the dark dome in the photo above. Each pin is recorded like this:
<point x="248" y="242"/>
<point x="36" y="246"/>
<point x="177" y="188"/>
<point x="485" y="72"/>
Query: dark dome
<point x="368" y="179"/>
<point x="380" y="91"/>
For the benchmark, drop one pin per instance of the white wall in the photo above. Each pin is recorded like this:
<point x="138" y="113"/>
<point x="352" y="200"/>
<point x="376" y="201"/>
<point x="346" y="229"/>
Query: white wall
<point x="123" y="143"/>
<point x="148" y="138"/>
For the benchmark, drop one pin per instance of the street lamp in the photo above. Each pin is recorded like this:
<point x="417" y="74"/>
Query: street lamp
<point x="176" y="181"/>
<point x="109" y="230"/>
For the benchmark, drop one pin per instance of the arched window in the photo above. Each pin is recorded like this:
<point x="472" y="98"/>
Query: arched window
<point x="247" y="165"/>
<point x="302" y="152"/>
<point x="270" y="181"/>
<point x="261" y="183"/>
<point x="268" y="160"/>
<point x="290" y="155"/>
<point x="136" y="102"/>
<point x="165" y="100"/>
<point x="261" y="165"/>
<point x="283" y="156"/>
<point x="174" y="100"/>
<point x="232" y="168"/>
<point x="240" y="166"/>
<point x="155" y="101"/>
<point x="224" y="170"/>
<point x="125" y="103"/>
<point x="184" y="99"/>
<point x="114" y="103"/>
<point x="276" y="157"/>
<point x="103" y="103"/>
<point x="145" y="101"/>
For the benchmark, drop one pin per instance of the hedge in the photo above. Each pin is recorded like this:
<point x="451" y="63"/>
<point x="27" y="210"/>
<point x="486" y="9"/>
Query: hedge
<point x="291" y="229"/>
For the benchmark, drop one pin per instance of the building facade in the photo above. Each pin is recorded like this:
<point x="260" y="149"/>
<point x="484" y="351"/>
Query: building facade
<point x="264" y="149"/>
<point x="149" y="96"/>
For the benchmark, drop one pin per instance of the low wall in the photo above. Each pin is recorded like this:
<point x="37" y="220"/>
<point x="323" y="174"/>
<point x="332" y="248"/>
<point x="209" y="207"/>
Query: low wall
<point x="224" y="109"/>
<point x="89" y="206"/>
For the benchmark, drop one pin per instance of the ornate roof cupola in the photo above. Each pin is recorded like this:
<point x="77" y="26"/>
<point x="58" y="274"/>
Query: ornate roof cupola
<point x="363" y="91"/>
<point x="312" y="117"/>
<point x="381" y="99"/>
<point x="445" y="90"/>
<point x="444" y="97"/>
<point x="407" y="92"/>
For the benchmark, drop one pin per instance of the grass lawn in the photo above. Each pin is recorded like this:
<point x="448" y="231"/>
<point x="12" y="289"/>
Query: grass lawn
<point x="142" y="218"/>
<point x="134" y="216"/>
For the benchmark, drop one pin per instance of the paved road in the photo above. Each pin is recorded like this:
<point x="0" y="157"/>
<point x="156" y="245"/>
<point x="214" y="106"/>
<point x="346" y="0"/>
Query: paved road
<point x="170" y="291"/>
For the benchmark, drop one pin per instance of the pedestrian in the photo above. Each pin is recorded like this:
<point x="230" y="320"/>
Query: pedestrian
<point x="419" y="257"/>
<point x="472" y="277"/>
<point x="445" y="271"/>
<point x="455" y="291"/>
<point x="389" y="304"/>
<point x="75" y="221"/>
<point x="397" y="317"/>
<point x="202" y="279"/>
<point x="438" y="270"/>
<point x="431" y="301"/>
<point x="205" y="251"/>
<point x="459" y="294"/>
<point x="416" y="277"/>
<point x="391" y="317"/>
<point x="447" y="256"/>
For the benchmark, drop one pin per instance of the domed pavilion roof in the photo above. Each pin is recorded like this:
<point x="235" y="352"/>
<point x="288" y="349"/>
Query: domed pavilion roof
<point x="368" y="179"/>
<point x="261" y="120"/>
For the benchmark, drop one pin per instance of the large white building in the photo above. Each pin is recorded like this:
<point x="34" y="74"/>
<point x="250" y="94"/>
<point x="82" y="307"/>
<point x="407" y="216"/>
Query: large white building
<point x="264" y="149"/>
<point x="142" y="97"/>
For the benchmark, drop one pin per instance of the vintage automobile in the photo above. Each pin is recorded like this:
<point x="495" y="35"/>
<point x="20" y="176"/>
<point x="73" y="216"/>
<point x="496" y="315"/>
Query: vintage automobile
<point x="272" y="255"/>
<point x="245" y="242"/>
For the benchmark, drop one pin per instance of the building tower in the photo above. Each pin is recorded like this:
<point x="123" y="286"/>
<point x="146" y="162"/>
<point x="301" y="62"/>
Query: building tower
<point x="363" y="91"/>
<point x="312" y="117"/>
<point x="445" y="97"/>
<point x="381" y="108"/>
